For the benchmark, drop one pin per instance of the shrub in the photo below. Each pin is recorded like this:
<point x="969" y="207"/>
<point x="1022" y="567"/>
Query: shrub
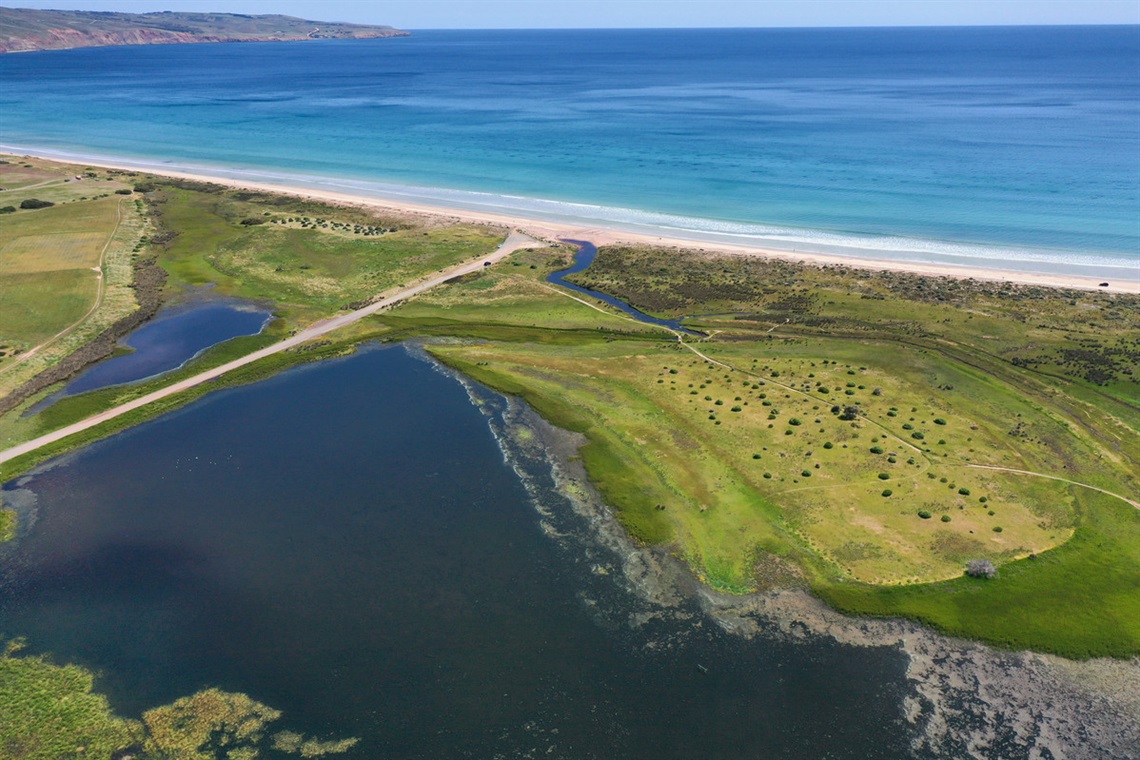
<point x="887" y="492"/>
<point x="829" y="445"/>
<point x="795" y="421"/>
<point x="8" y="210"/>
<point x="908" y="426"/>
<point x="997" y="529"/>
<point x="755" y="456"/>
<point x="939" y="421"/>
<point x="981" y="568"/>
<point x="737" y="408"/>
<point x="925" y="515"/>
<point x="767" y="476"/>
<point x="917" y="435"/>
<point x="884" y="476"/>
<point x="124" y="191"/>
<point x="252" y="220"/>
<point x="35" y="203"/>
<point x="964" y="491"/>
<point x="876" y="449"/>
<point x="806" y="473"/>
<point x="945" y="518"/>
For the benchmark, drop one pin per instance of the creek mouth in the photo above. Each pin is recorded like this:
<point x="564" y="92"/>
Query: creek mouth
<point x="583" y="258"/>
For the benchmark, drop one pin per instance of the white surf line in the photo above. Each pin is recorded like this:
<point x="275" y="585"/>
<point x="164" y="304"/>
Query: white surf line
<point x="1125" y="499"/>
<point x="515" y="241"/>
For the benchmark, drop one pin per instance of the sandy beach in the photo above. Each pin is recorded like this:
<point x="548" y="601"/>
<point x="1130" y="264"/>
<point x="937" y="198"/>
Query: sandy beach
<point x="552" y="229"/>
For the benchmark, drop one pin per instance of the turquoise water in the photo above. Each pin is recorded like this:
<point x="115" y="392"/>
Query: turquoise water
<point x="1015" y="147"/>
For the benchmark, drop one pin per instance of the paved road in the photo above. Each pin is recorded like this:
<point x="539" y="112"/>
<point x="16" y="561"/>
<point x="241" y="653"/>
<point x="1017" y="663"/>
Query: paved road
<point x="514" y="242"/>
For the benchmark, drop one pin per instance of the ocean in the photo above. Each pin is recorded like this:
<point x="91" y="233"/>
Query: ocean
<point x="1012" y="148"/>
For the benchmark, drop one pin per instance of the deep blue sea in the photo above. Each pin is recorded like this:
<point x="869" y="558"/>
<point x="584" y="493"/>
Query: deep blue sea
<point x="1015" y="147"/>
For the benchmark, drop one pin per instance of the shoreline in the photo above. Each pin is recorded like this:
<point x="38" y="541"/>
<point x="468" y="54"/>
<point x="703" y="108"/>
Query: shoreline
<point x="614" y="234"/>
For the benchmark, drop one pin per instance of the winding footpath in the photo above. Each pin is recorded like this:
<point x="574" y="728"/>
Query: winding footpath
<point x="515" y="241"/>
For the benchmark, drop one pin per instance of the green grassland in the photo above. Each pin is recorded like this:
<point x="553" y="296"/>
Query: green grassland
<point x="306" y="273"/>
<point x="49" y="261"/>
<point x="742" y="462"/>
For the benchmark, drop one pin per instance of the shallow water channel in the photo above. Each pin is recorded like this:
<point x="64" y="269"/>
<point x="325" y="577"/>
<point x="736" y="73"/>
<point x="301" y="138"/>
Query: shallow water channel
<point x="583" y="258"/>
<point x="347" y="542"/>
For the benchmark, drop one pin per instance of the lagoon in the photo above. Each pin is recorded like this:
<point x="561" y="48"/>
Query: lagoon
<point x="347" y="543"/>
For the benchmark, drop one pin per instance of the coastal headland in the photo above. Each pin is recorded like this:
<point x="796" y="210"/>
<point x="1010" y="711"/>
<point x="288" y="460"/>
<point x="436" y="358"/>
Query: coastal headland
<point x="26" y="29"/>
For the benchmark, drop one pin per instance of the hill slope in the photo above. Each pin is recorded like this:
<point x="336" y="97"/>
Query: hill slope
<point x="24" y="29"/>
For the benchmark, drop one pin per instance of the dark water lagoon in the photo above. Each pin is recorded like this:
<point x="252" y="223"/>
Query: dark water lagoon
<point x="175" y="336"/>
<point x="348" y="543"/>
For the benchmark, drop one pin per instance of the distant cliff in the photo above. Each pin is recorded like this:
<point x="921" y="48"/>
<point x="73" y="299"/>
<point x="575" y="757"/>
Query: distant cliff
<point x="23" y="29"/>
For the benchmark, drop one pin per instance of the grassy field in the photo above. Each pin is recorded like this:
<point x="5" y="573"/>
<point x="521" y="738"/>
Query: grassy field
<point x="49" y="268"/>
<point x="50" y="261"/>
<point x="306" y="273"/>
<point x="789" y="455"/>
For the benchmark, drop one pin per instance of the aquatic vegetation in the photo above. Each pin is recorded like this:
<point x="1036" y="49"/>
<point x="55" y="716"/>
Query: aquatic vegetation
<point x="51" y="712"/>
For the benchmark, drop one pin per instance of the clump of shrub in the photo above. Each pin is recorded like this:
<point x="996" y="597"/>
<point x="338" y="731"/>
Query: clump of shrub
<point x="7" y="210"/>
<point x="924" y="514"/>
<point x="32" y="203"/>
<point x="981" y="568"/>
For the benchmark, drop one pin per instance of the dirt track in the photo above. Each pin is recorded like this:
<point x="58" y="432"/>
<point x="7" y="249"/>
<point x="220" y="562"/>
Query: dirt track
<point x="514" y="242"/>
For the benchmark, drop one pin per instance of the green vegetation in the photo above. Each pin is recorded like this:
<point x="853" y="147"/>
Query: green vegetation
<point x="306" y="273"/>
<point x="736" y="486"/>
<point x="771" y="441"/>
<point x="9" y="522"/>
<point x="52" y="712"/>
